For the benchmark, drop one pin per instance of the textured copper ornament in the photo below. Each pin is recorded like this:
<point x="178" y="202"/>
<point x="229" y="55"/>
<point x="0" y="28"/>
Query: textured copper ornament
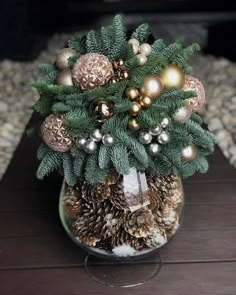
<point x="55" y="135"/>
<point x="101" y="110"/>
<point x="193" y="84"/>
<point x="92" y="70"/>
<point x="139" y="223"/>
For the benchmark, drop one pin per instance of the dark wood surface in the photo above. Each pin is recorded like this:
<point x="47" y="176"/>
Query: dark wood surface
<point x="37" y="257"/>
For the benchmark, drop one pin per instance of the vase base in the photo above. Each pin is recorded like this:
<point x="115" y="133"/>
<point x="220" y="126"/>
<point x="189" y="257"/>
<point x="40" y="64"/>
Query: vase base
<point x="123" y="273"/>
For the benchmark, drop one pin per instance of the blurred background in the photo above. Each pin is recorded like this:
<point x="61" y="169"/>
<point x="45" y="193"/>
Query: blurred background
<point x="33" y="31"/>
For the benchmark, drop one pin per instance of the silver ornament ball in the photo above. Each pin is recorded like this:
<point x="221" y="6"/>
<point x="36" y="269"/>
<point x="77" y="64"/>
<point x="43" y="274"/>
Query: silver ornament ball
<point x="165" y="122"/>
<point x="96" y="135"/>
<point x="163" y="137"/>
<point x="155" y="130"/>
<point x="182" y="114"/>
<point x="80" y="142"/>
<point x="189" y="153"/>
<point x="90" y="146"/>
<point x="154" y="148"/>
<point x="107" y="140"/>
<point x="145" y="137"/>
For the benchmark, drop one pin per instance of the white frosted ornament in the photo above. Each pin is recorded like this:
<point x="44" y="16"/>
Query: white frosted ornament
<point x="133" y="41"/>
<point x="145" y="49"/>
<point x="189" y="153"/>
<point x="182" y="114"/>
<point x="142" y="59"/>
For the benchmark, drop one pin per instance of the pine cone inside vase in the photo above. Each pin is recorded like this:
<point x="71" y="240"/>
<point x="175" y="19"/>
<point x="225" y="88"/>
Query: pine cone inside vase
<point x="157" y="238"/>
<point x="139" y="223"/>
<point x="175" y="198"/>
<point x="121" y="237"/>
<point x="72" y="202"/>
<point x="95" y="193"/>
<point x="92" y="70"/>
<point x="97" y="221"/>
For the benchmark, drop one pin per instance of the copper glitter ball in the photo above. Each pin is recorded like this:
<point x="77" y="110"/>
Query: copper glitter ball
<point x="55" y="135"/>
<point x="193" y="84"/>
<point x="92" y="70"/>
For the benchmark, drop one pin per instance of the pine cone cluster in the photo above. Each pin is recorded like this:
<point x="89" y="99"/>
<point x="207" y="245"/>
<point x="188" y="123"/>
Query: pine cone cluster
<point x="102" y="215"/>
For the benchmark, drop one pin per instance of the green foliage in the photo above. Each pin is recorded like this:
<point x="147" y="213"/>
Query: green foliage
<point x="126" y="152"/>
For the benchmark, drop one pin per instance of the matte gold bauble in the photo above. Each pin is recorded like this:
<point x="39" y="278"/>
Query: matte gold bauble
<point x="63" y="56"/>
<point x="101" y="110"/>
<point x="189" y="153"/>
<point x="135" y="109"/>
<point x="133" y="124"/>
<point x="172" y="77"/>
<point x="65" y="78"/>
<point x="152" y="86"/>
<point x="132" y="93"/>
<point x="145" y="101"/>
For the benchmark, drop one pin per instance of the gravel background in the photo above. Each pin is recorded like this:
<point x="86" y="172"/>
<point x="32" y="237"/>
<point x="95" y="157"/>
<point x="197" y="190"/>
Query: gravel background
<point x="16" y="98"/>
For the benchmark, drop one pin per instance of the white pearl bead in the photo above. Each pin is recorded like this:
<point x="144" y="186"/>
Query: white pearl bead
<point x="133" y="41"/>
<point x="141" y="58"/>
<point x="145" y="49"/>
<point x="135" y="48"/>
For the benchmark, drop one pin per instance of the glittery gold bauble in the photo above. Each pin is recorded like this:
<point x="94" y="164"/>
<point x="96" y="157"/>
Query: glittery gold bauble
<point x="193" y="84"/>
<point x="152" y="86"/>
<point x="63" y="56"/>
<point x="172" y="77"/>
<point x="65" y="78"/>
<point x="133" y="124"/>
<point x="132" y="93"/>
<point x="135" y="109"/>
<point x="55" y="135"/>
<point x="101" y="110"/>
<point x="145" y="101"/>
<point x="189" y="153"/>
<point x="92" y="70"/>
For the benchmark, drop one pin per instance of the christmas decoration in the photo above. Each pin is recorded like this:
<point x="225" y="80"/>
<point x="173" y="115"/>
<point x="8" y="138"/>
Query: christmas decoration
<point x="118" y="124"/>
<point x="172" y="77"/>
<point x="65" y="78"/>
<point x="55" y="135"/>
<point x="193" y="84"/>
<point x="182" y="114"/>
<point x="63" y="57"/>
<point x="152" y="86"/>
<point x="189" y="153"/>
<point x="101" y="110"/>
<point x="92" y="70"/>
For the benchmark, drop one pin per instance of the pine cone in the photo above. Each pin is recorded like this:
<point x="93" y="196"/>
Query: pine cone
<point x="169" y="215"/>
<point x="92" y="70"/>
<point x="162" y="184"/>
<point x="55" y="135"/>
<point x="157" y="238"/>
<point x="154" y="199"/>
<point x="95" y="193"/>
<point x="175" y="198"/>
<point x="122" y="237"/>
<point x="97" y="221"/>
<point x="139" y="223"/>
<point x="172" y="228"/>
<point x="72" y="202"/>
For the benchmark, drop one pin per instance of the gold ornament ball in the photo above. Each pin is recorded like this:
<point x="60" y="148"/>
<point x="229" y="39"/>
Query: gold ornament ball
<point x="125" y="75"/>
<point x="135" y="109"/>
<point x="65" y="78"/>
<point x="133" y="124"/>
<point x="145" y="101"/>
<point x="152" y="86"/>
<point x="63" y="56"/>
<point x="132" y="93"/>
<point x="172" y="77"/>
<point x="189" y="153"/>
<point x="113" y="80"/>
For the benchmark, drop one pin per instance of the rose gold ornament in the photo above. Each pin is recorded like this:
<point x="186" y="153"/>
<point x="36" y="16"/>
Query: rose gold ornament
<point x="64" y="78"/>
<point x="193" y="84"/>
<point x="189" y="153"/>
<point x="92" y="70"/>
<point x="55" y="135"/>
<point x="63" y="56"/>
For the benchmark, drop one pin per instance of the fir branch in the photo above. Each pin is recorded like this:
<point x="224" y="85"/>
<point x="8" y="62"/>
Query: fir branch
<point x="50" y="162"/>
<point x="78" y="43"/>
<point x="69" y="174"/>
<point x="93" y="42"/>
<point x="60" y="107"/>
<point x="141" y="33"/>
<point x="120" y="158"/>
<point x="104" y="157"/>
<point x="79" y="162"/>
<point x="43" y="106"/>
<point x="43" y="149"/>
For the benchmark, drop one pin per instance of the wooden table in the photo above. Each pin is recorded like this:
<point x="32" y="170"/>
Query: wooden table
<point x="37" y="256"/>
